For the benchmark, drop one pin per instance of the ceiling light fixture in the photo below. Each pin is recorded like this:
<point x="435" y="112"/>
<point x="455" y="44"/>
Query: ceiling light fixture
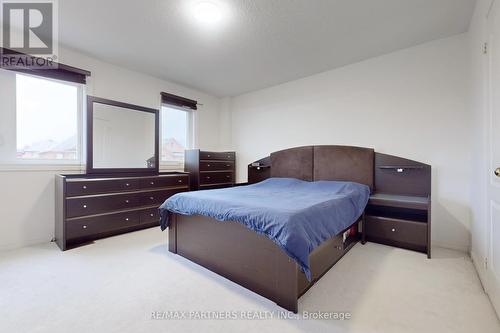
<point x="207" y="12"/>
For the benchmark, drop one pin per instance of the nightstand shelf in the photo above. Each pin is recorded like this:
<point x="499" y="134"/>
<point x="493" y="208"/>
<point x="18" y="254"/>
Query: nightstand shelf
<point x="402" y="201"/>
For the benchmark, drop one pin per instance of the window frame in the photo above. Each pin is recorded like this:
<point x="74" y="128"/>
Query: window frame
<point x="191" y="136"/>
<point x="80" y="128"/>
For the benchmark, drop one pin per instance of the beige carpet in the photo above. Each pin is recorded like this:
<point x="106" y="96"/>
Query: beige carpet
<point x="117" y="283"/>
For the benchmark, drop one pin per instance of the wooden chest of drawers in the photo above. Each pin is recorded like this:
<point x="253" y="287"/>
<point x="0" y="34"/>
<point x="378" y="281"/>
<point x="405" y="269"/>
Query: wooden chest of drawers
<point x="90" y="207"/>
<point x="209" y="170"/>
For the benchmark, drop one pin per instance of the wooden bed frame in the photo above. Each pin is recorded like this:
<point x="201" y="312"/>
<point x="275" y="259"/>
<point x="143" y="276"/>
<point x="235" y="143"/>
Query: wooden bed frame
<point x="254" y="261"/>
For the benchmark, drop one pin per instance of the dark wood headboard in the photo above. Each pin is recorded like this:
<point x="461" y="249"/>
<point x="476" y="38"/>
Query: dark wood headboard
<point x="383" y="173"/>
<point x="293" y="163"/>
<point x="313" y="163"/>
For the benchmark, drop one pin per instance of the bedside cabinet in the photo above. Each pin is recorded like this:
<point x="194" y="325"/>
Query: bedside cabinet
<point x="259" y="170"/>
<point x="210" y="170"/>
<point x="398" y="220"/>
<point x="399" y="211"/>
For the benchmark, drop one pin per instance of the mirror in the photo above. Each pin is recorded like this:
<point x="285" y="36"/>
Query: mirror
<point x="121" y="137"/>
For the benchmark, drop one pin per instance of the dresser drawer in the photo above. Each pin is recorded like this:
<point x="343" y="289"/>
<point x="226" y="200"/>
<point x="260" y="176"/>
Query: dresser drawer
<point x="158" y="197"/>
<point x="99" y="204"/>
<point x="216" y="177"/>
<point x="87" y="187"/>
<point x="207" y="155"/>
<point x="216" y="166"/>
<point x="156" y="182"/>
<point x="215" y="186"/>
<point x="396" y="230"/>
<point x="150" y="215"/>
<point x="84" y="227"/>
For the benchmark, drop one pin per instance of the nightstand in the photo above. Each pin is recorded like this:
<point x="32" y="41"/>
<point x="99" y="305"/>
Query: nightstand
<point x="399" y="210"/>
<point x="259" y="170"/>
<point x="398" y="220"/>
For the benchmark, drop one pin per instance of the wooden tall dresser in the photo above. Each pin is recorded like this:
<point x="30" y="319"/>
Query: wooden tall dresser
<point x="210" y="170"/>
<point x="89" y="207"/>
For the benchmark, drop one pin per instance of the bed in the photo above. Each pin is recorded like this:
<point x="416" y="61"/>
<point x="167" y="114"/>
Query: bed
<point x="275" y="237"/>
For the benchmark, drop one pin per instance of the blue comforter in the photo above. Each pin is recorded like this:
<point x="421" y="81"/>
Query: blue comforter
<point x="297" y="215"/>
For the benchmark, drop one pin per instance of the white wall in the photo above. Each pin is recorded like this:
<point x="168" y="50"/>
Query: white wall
<point x="411" y="103"/>
<point x="27" y="194"/>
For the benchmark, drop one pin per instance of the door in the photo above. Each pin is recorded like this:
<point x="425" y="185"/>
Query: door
<point x="493" y="188"/>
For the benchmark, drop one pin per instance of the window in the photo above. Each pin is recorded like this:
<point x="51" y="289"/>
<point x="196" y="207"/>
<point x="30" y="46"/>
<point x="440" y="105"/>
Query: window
<point x="176" y="133"/>
<point x="47" y="120"/>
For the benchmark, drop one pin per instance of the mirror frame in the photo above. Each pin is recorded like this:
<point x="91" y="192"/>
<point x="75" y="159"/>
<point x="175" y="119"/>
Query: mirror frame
<point x="90" y="137"/>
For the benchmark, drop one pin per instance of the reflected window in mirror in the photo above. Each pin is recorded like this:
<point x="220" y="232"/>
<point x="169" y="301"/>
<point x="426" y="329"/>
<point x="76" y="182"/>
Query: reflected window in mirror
<point x="177" y="133"/>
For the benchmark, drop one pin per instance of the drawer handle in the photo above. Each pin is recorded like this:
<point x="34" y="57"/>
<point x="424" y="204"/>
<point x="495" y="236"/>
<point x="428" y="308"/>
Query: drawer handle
<point x="228" y="165"/>
<point x="84" y="187"/>
<point x="151" y="215"/>
<point x="180" y="180"/>
<point x="208" y="177"/>
<point x="208" y="165"/>
<point x="152" y="183"/>
<point x="393" y="230"/>
<point x="84" y="227"/>
<point x="152" y="198"/>
<point x="126" y="219"/>
<point x="208" y="155"/>
<point x="127" y="201"/>
<point x="127" y="184"/>
<point x="228" y="176"/>
<point x="84" y="206"/>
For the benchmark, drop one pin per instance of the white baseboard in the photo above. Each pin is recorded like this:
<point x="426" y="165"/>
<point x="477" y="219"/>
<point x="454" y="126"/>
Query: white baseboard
<point x="455" y="247"/>
<point x="479" y="266"/>
<point x="24" y="243"/>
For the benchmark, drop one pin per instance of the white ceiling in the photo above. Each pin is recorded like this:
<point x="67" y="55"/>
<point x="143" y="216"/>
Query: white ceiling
<point x="260" y="43"/>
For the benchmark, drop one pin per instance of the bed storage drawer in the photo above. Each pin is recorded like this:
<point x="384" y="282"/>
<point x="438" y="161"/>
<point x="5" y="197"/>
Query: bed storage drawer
<point x="157" y="182"/>
<point x="223" y="156"/>
<point x="88" y="226"/>
<point x="396" y="231"/>
<point x="216" y="166"/>
<point x="88" y="187"/>
<point x="216" y="177"/>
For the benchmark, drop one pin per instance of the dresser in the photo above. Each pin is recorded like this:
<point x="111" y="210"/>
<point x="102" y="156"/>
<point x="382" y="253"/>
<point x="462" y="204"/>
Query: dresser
<point x="210" y="170"/>
<point x="90" y="207"/>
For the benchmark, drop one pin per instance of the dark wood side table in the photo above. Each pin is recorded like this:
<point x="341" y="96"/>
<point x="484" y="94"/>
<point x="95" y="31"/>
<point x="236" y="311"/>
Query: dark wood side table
<point x="399" y="220"/>
<point x="399" y="211"/>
